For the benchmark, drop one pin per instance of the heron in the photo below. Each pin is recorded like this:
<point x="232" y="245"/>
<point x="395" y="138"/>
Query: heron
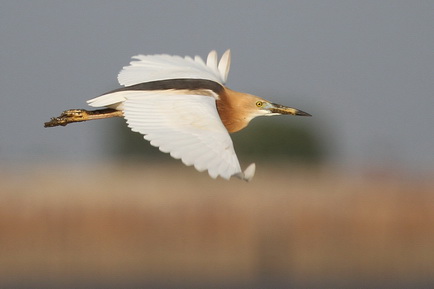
<point x="182" y="106"/>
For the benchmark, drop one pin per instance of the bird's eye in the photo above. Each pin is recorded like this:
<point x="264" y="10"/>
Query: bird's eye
<point x="259" y="103"/>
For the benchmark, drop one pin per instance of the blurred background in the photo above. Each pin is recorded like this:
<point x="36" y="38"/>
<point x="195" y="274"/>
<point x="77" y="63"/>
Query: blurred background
<point x="344" y="199"/>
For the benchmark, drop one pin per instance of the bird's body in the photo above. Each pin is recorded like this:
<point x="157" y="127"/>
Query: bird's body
<point x="182" y="106"/>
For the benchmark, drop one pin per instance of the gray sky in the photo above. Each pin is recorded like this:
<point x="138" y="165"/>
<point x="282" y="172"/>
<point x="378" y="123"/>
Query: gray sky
<point x="364" y="69"/>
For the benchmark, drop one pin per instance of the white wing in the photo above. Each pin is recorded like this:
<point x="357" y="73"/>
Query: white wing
<point x="147" y="68"/>
<point x="186" y="126"/>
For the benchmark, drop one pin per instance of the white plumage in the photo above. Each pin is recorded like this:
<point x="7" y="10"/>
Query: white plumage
<point x="178" y="122"/>
<point x="146" y="68"/>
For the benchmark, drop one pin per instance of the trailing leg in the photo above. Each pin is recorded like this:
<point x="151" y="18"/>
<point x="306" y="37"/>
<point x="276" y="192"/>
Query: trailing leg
<point x="79" y="115"/>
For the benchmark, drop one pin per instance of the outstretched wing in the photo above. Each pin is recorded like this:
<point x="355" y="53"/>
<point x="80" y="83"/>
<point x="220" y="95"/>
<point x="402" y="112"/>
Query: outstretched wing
<point x="146" y="68"/>
<point x="186" y="126"/>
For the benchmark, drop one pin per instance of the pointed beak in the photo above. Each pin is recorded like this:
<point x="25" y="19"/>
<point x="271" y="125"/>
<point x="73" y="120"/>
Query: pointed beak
<point x="281" y="109"/>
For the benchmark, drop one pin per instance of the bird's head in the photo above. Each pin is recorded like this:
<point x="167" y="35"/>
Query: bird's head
<point x="267" y="108"/>
<point x="237" y="109"/>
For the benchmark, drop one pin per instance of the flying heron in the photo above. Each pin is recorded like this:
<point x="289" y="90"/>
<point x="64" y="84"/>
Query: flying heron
<point x="180" y="105"/>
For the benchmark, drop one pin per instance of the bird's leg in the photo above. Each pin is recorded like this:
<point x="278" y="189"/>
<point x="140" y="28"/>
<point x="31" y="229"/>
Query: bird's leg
<point x="79" y="115"/>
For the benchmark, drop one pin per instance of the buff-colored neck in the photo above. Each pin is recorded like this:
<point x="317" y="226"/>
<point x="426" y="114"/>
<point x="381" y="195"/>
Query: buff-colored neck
<point x="236" y="109"/>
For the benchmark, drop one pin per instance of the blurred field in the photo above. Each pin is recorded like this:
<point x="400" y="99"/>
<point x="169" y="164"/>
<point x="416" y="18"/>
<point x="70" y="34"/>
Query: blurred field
<point x="125" y="225"/>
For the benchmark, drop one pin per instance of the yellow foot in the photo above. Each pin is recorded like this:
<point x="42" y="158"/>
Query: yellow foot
<point x="68" y="116"/>
<point x="78" y="115"/>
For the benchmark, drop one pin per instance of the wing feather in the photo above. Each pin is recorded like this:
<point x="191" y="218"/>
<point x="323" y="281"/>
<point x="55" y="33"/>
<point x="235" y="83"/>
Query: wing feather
<point x="225" y="64"/>
<point x="212" y="61"/>
<point x="186" y="126"/>
<point x="146" y="68"/>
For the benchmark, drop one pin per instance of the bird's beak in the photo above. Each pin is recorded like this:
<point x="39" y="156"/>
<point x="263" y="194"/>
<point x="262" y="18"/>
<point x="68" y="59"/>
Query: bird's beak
<point x="281" y="109"/>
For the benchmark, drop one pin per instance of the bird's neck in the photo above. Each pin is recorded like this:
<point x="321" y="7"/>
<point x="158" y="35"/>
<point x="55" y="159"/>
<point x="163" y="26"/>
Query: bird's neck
<point x="231" y="110"/>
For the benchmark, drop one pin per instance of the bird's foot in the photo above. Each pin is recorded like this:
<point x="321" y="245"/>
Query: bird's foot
<point x="67" y="117"/>
<point x="79" y="115"/>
